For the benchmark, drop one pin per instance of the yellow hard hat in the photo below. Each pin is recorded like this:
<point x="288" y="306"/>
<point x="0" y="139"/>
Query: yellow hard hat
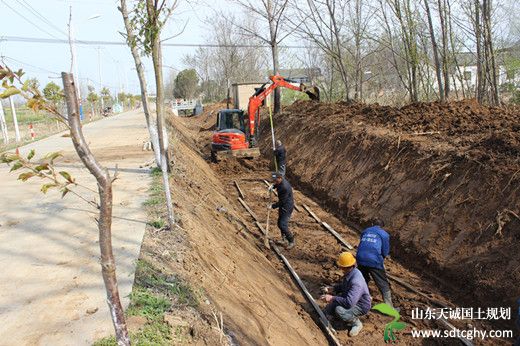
<point x="346" y="259"/>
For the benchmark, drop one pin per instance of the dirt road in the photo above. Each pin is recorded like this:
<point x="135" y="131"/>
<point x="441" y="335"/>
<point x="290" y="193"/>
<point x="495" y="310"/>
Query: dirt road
<point x="51" y="290"/>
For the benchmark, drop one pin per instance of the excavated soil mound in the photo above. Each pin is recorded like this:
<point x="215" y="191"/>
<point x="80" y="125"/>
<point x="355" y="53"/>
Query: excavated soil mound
<point x="485" y="133"/>
<point x="444" y="177"/>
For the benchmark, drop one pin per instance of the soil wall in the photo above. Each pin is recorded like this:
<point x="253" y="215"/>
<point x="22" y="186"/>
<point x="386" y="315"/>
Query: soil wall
<point x="223" y="260"/>
<point x="445" y="179"/>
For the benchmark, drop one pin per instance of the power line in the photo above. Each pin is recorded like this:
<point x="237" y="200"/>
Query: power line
<point x="40" y="17"/>
<point x="27" y="64"/>
<point x="28" y="20"/>
<point x="120" y="43"/>
<point x="3" y="57"/>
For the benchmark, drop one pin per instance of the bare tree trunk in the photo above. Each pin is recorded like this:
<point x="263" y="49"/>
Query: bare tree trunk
<point x="478" y="36"/>
<point x="276" y="69"/>
<point x="453" y="52"/>
<point x="104" y="182"/>
<point x="157" y="65"/>
<point x="273" y="35"/>
<point x="339" y="54"/>
<point x="443" y="16"/>
<point x="435" y="52"/>
<point x="358" y="94"/>
<point x="150" y="122"/>
<point x="488" y="42"/>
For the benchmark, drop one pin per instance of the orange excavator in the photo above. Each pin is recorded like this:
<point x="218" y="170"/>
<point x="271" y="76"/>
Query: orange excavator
<point x="235" y="135"/>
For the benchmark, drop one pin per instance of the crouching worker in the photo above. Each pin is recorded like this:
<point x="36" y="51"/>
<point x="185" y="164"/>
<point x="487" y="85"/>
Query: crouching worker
<point x="349" y="299"/>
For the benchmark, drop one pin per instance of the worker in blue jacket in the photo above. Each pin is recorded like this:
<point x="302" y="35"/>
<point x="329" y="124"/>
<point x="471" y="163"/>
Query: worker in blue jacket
<point x="374" y="247"/>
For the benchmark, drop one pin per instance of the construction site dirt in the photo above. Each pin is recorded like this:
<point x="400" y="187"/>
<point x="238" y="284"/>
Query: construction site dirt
<point x="445" y="178"/>
<point x="349" y="168"/>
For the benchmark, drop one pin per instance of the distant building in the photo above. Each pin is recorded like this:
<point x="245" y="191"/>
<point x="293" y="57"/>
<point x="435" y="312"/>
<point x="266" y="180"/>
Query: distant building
<point x="508" y="66"/>
<point x="241" y="92"/>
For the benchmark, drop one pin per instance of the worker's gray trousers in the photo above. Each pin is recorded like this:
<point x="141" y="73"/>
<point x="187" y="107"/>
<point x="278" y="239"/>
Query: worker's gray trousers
<point x="381" y="280"/>
<point x="350" y="316"/>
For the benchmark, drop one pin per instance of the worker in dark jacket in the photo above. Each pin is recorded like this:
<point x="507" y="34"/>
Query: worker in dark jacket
<point x="279" y="155"/>
<point x="374" y="247"/>
<point x="351" y="297"/>
<point x="285" y="206"/>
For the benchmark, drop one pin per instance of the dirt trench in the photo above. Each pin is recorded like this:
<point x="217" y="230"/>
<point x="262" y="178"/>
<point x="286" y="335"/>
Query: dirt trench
<point x="445" y="178"/>
<point x="313" y="257"/>
<point x="214" y="252"/>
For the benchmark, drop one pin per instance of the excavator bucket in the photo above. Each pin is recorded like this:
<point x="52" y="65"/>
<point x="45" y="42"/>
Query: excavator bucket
<point x="312" y="91"/>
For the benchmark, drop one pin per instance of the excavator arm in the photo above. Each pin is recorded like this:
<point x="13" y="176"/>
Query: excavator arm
<point x="258" y="97"/>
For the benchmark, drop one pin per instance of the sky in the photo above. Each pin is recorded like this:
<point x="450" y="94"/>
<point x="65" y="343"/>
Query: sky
<point x="99" y="20"/>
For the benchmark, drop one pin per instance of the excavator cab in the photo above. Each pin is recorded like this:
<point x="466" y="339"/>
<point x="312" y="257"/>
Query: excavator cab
<point x="230" y="137"/>
<point x="231" y="119"/>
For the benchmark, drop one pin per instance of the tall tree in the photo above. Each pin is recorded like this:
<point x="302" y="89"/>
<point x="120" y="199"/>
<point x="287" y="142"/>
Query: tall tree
<point x="227" y="62"/>
<point x="157" y="14"/>
<point x="272" y="13"/>
<point x="323" y="24"/>
<point x="92" y="97"/>
<point x="149" y="19"/>
<point x="105" y="95"/>
<point x="53" y="93"/>
<point x="438" y="68"/>
<point x="186" y="84"/>
<point x="133" y="42"/>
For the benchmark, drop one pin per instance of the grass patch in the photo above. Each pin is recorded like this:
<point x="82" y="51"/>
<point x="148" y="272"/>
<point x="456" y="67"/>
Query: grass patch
<point x="145" y="303"/>
<point x="155" y="200"/>
<point x="173" y="287"/>
<point x="154" y="292"/>
<point x="152" y="334"/>
<point x="158" y="224"/>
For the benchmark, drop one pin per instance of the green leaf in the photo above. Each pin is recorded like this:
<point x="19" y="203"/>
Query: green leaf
<point x="35" y="104"/>
<point x="64" y="191"/>
<point x="10" y="91"/>
<point x="26" y="176"/>
<point x="3" y="72"/>
<point x="52" y="156"/>
<point x="46" y="187"/>
<point x="386" y="309"/>
<point x="8" y="157"/>
<point x="67" y="176"/>
<point x="16" y="166"/>
<point x="31" y="154"/>
<point x="41" y="167"/>
<point x="397" y="325"/>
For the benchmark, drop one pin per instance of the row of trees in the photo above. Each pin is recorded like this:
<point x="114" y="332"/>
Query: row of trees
<point x="143" y="21"/>
<point x="55" y="95"/>
<point x="366" y="49"/>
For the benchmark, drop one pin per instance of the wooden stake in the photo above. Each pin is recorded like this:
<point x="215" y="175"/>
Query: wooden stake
<point x="323" y="321"/>
<point x="248" y="209"/>
<point x="311" y="213"/>
<point x="239" y="190"/>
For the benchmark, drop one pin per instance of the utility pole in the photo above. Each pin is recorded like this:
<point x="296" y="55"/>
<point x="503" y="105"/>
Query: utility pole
<point x="3" y="124"/>
<point x="74" y="63"/>
<point x="15" y="120"/>
<point x="99" y="74"/>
